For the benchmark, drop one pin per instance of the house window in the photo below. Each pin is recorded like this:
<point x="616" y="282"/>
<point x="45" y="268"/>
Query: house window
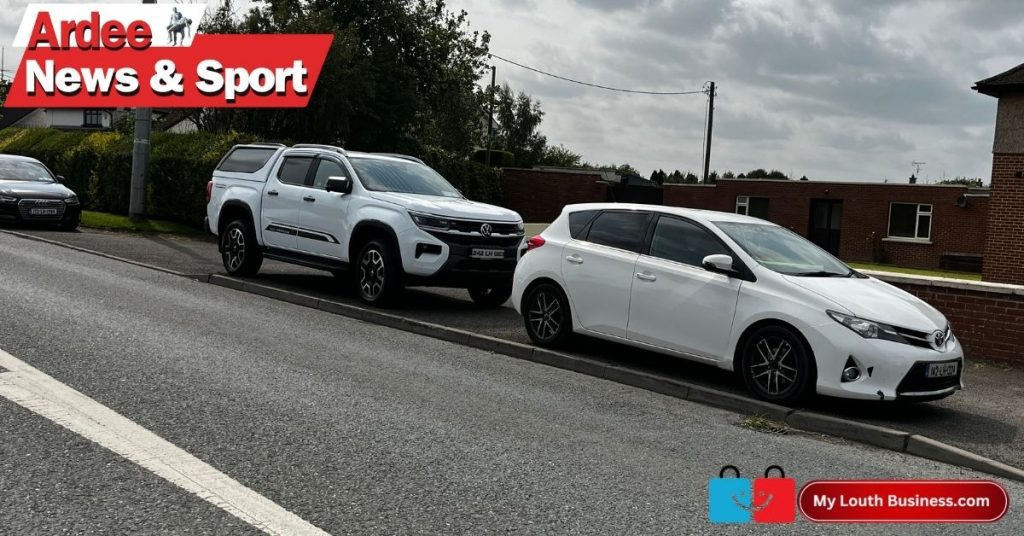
<point x="93" y="118"/>
<point x="752" y="206"/>
<point x="910" y="220"/>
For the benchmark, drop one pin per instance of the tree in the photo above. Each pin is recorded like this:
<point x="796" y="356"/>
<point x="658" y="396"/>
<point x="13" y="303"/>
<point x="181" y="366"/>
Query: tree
<point x="728" y="175"/>
<point x="5" y="86"/>
<point x="400" y="75"/>
<point x="760" y="173"/>
<point x="659" y="176"/>
<point x="560" y="156"/>
<point x="519" y="119"/>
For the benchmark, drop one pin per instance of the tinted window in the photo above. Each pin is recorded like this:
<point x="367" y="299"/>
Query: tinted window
<point x="294" y="169"/>
<point x="623" y="230"/>
<point x="579" y="220"/>
<point x="327" y="169"/>
<point x="681" y="241"/>
<point x="246" y="159"/>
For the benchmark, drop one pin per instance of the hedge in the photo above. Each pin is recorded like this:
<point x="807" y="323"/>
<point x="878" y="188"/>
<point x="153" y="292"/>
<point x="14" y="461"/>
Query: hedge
<point x="98" y="165"/>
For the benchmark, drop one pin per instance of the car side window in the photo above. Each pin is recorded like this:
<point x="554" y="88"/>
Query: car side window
<point x="325" y="170"/>
<point x="678" y="240"/>
<point x="578" y="221"/>
<point x="623" y="230"/>
<point x="294" y="170"/>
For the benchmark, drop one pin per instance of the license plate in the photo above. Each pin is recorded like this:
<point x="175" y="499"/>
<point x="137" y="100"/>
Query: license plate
<point x="941" y="370"/>
<point x="478" y="253"/>
<point x="42" y="211"/>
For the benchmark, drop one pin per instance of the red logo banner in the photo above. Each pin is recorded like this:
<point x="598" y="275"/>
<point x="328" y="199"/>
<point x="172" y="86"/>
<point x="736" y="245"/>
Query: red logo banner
<point x="903" y="501"/>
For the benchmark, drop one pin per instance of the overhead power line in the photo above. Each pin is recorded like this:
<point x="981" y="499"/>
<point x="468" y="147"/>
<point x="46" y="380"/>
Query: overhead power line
<point x="598" y="86"/>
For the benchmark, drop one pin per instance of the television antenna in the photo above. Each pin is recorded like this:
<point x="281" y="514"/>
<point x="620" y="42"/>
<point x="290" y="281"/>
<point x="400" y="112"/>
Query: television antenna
<point x="917" y="167"/>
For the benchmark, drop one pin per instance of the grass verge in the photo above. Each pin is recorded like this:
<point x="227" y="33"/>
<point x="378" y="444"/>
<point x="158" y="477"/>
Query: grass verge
<point x="763" y="424"/>
<point x="116" y="222"/>
<point x="915" y="271"/>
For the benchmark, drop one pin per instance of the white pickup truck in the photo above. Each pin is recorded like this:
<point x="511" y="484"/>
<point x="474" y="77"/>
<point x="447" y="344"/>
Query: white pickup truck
<point x="384" y="221"/>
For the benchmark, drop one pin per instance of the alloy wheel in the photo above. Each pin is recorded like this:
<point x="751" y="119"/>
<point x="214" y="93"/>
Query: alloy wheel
<point x="234" y="249"/>
<point x="545" y="315"/>
<point x="773" y="366"/>
<point x="371" y="274"/>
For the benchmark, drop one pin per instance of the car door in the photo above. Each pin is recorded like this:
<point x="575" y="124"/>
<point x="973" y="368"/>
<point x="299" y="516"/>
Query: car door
<point x="281" y="200"/>
<point x="677" y="304"/>
<point x="598" y="269"/>
<point x="323" y="222"/>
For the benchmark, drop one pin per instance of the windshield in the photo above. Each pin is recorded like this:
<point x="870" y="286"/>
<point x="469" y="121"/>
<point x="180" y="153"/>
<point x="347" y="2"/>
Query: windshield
<point x="402" y="177"/>
<point x="783" y="251"/>
<point x="24" y="170"/>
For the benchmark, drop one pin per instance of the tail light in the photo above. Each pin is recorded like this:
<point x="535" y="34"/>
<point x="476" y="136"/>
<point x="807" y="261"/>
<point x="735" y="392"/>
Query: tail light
<point x="534" y="242"/>
<point x="209" y="190"/>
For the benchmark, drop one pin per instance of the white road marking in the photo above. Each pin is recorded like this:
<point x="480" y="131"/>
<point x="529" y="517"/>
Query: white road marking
<point x="33" y="390"/>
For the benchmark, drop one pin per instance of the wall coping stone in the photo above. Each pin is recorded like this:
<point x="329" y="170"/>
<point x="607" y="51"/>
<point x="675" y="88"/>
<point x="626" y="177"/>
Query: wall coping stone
<point x="946" y="282"/>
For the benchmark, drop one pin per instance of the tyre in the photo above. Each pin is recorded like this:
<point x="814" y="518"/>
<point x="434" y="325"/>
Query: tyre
<point x="547" y="316"/>
<point x="378" y="274"/>
<point x="493" y="296"/>
<point x="239" y="250"/>
<point x="777" y="366"/>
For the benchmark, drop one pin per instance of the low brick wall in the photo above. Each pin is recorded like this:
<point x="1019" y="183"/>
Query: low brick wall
<point x="988" y="318"/>
<point x="540" y="195"/>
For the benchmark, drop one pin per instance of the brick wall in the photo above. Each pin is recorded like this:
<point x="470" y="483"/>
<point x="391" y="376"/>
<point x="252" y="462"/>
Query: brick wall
<point x="539" y="195"/>
<point x="1004" y="250"/>
<point x="865" y="217"/>
<point x="987" y="318"/>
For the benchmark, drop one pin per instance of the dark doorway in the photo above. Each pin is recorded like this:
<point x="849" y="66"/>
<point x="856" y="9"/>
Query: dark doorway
<point x="826" y="221"/>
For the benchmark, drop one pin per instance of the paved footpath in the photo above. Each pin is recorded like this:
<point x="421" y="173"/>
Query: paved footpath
<point x="985" y="418"/>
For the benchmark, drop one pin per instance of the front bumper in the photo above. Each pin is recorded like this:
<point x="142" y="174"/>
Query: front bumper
<point x="445" y="259"/>
<point x="889" y="370"/>
<point x="21" y="212"/>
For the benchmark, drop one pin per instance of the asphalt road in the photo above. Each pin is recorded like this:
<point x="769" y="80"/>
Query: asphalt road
<point x="354" y="427"/>
<point x="986" y="418"/>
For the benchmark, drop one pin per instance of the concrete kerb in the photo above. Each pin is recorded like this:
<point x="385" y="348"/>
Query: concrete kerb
<point x="878" y="436"/>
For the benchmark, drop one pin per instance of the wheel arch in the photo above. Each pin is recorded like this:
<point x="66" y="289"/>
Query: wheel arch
<point x="232" y="210"/>
<point x="368" y="230"/>
<point x="540" y="281"/>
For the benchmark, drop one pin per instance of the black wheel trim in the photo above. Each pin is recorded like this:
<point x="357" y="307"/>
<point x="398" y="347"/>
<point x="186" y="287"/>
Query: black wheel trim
<point x="545" y="315"/>
<point x="773" y="366"/>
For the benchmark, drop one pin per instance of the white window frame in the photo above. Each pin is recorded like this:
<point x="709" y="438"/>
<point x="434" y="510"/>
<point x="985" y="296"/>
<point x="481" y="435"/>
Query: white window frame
<point x="923" y="209"/>
<point x="743" y="201"/>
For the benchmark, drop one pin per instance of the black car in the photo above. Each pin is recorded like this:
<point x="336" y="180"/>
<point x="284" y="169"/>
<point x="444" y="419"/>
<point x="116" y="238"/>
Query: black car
<point x="31" y="193"/>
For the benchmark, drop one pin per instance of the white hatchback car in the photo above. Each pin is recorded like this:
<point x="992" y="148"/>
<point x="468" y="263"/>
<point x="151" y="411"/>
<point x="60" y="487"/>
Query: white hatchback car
<point x="737" y="292"/>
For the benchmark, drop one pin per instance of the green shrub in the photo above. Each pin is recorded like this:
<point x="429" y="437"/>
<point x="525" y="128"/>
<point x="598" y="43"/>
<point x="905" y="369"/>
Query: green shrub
<point x="476" y="181"/>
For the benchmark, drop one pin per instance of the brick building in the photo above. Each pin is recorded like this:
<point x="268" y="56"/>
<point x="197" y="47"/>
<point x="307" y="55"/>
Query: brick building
<point x="909" y="225"/>
<point x="1004" y="251"/>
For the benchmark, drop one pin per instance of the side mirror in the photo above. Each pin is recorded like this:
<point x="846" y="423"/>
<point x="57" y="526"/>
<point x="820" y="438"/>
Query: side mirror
<point x="721" y="264"/>
<point x="61" y="179"/>
<point x="341" y="185"/>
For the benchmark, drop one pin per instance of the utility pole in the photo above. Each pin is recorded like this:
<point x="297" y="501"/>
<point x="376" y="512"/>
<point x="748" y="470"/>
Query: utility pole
<point x="707" y="136"/>
<point x="490" y="117"/>
<point x="140" y="158"/>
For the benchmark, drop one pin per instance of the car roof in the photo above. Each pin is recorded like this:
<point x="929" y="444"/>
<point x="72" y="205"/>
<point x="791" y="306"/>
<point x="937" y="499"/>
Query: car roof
<point x="18" y="158"/>
<point x="693" y="213"/>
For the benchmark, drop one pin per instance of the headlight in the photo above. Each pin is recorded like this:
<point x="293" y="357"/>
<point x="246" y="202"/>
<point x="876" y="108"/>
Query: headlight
<point x="427" y="221"/>
<point x="71" y="199"/>
<point x="867" y="328"/>
<point x="520" y="227"/>
<point x="8" y="199"/>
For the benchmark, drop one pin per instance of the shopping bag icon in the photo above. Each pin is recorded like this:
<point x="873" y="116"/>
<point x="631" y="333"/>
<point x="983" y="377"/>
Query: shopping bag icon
<point x="729" y="498"/>
<point x="774" y="499"/>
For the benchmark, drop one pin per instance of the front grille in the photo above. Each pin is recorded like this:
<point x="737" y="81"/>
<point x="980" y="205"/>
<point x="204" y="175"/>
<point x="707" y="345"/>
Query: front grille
<point x="473" y="226"/>
<point x="478" y="240"/>
<point x="918" y="338"/>
<point x="25" y="207"/>
<point x="917" y="382"/>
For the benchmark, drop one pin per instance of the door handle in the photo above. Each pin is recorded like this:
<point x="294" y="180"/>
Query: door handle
<point x="272" y="192"/>
<point x="309" y="198"/>
<point x="575" y="259"/>
<point x="646" y="276"/>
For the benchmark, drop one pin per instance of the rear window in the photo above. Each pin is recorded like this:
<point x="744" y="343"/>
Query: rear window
<point x="246" y="159"/>
<point x="578" y="221"/>
<point x="623" y="230"/>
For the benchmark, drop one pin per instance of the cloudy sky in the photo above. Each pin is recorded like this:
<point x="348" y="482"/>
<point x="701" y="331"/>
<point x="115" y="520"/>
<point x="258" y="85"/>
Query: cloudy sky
<point x="835" y="90"/>
<point x="831" y="89"/>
